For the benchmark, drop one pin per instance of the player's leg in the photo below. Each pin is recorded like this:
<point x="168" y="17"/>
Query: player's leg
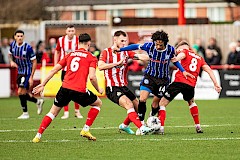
<point x="95" y="103"/>
<point x="77" y="110"/>
<point x="23" y="101"/>
<point x="22" y="85"/>
<point x="65" y="108"/>
<point x="155" y="106"/>
<point x="62" y="98"/>
<point x="39" y="102"/>
<point x="195" y="115"/>
<point x="188" y="95"/>
<point x="168" y="95"/>
<point x="126" y="103"/>
<point x="46" y="122"/>
<point x="142" y="108"/>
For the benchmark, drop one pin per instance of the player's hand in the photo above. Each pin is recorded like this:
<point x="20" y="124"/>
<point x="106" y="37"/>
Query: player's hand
<point x="121" y="63"/>
<point x="30" y="81"/>
<point x="218" y="88"/>
<point x="100" y="90"/>
<point x="39" y="88"/>
<point x="13" y="64"/>
<point x="174" y="59"/>
<point x="186" y="75"/>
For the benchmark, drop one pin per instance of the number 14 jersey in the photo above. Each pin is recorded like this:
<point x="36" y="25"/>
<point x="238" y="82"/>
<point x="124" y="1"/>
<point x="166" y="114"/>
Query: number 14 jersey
<point x="192" y="63"/>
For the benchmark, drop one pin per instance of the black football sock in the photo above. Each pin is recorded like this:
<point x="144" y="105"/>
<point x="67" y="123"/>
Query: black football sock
<point x="23" y="101"/>
<point x="154" y="111"/>
<point x="31" y="98"/>
<point x="142" y="110"/>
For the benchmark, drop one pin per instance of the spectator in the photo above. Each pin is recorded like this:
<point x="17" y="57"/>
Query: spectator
<point x="33" y="45"/>
<point x="5" y="49"/>
<point x="216" y="51"/>
<point x="94" y="50"/>
<point x="1" y="57"/>
<point x="234" y="55"/>
<point x="210" y="58"/>
<point x="51" y="49"/>
<point x="238" y="45"/>
<point x="41" y="53"/>
<point x="201" y="49"/>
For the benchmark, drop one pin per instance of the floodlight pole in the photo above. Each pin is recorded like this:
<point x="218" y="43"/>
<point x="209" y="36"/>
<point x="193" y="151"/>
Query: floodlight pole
<point x="181" y="17"/>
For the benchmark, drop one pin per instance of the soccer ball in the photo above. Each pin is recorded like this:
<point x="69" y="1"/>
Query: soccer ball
<point x="154" y="122"/>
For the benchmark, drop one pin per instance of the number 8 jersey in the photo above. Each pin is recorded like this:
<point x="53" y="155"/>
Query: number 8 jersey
<point x="192" y="63"/>
<point x="78" y="64"/>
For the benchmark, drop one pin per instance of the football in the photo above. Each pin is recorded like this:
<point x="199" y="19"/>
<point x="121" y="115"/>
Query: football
<point x="154" y="122"/>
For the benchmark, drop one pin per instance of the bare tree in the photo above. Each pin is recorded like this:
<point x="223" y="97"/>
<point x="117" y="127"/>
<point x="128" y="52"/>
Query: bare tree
<point x="15" y="11"/>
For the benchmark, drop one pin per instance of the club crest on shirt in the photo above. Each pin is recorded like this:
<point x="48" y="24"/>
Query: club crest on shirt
<point x="146" y="81"/>
<point x="167" y="94"/>
<point x="24" y="52"/>
<point x="119" y="93"/>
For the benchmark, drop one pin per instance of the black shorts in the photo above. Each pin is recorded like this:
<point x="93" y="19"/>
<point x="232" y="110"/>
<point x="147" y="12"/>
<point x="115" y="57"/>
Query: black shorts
<point x="23" y="81"/>
<point x="156" y="85"/>
<point x="176" y="87"/>
<point x="114" y="93"/>
<point x="63" y="74"/>
<point x="64" y="96"/>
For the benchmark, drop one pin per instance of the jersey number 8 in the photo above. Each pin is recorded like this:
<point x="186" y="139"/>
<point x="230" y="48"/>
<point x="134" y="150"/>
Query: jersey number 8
<point x="193" y="65"/>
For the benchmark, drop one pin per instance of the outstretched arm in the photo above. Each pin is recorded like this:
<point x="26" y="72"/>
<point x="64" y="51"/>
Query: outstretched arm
<point x="175" y="60"/>
<point x="93" y="79"/>
<point x="142" y="57"/>
<point x="130" y="47"/>
<point x="217" y="87"/>
<point x="102" y="65"/>
<point x="39" y="88"/>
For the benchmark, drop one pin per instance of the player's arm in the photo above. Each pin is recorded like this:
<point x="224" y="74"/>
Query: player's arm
<point x="93" y="79"/>
<point x="142" y="57"/>
<point x="176" y="60"/>
<point x="12" y="63"/>
<point x="57" y="53"/>
<point x="34" y="66"/>
<point x="103" y="65"/>
<point x="50" y="74"/>
<point x="207" y="69"/>
<point x="56" y="57"/>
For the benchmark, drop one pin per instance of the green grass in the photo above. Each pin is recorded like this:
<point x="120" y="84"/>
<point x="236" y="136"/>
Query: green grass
<point x="220" y="120"/>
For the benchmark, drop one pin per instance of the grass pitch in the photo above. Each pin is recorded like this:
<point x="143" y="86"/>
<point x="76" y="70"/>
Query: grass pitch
<point x="220" y="121"/>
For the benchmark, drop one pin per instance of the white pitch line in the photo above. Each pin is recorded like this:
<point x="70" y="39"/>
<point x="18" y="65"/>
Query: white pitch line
<point x="101" y="128"/>
<point x="130" y="139"/>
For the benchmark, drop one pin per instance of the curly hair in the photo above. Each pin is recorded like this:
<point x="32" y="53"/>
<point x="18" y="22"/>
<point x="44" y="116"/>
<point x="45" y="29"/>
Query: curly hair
<point x="160" y="35"/>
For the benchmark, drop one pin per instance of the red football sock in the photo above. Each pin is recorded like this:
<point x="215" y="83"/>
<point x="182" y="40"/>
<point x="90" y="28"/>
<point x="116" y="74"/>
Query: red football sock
<point x="92" y="114"/>
<point x="127" y="121"/>
<point x="77" y="106"/>
<point x="46" y="122"/>
<point x="132" y="115"/>
<point x="162" y="115"/>
<point x="194" y="113"/>
<point x="65" y="108"/>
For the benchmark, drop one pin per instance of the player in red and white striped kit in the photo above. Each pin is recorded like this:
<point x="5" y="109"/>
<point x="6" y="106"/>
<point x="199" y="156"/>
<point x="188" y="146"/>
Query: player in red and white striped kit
<point x="115" y="69"/>
<point x="65" y="45"/>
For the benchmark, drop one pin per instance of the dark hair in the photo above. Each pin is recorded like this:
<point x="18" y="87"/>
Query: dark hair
<point x="119" y="33"/>
<point x="18" y="31"/>
<point x="160" y="35"/>
<point x="181" y="43"/>
<point x="70" y="26"/>
<point x="84" y="37"/>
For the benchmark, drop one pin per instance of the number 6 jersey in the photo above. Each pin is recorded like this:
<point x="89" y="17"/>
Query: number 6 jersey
<point x="192" y="63"/>
<point x="78" y="64"/>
